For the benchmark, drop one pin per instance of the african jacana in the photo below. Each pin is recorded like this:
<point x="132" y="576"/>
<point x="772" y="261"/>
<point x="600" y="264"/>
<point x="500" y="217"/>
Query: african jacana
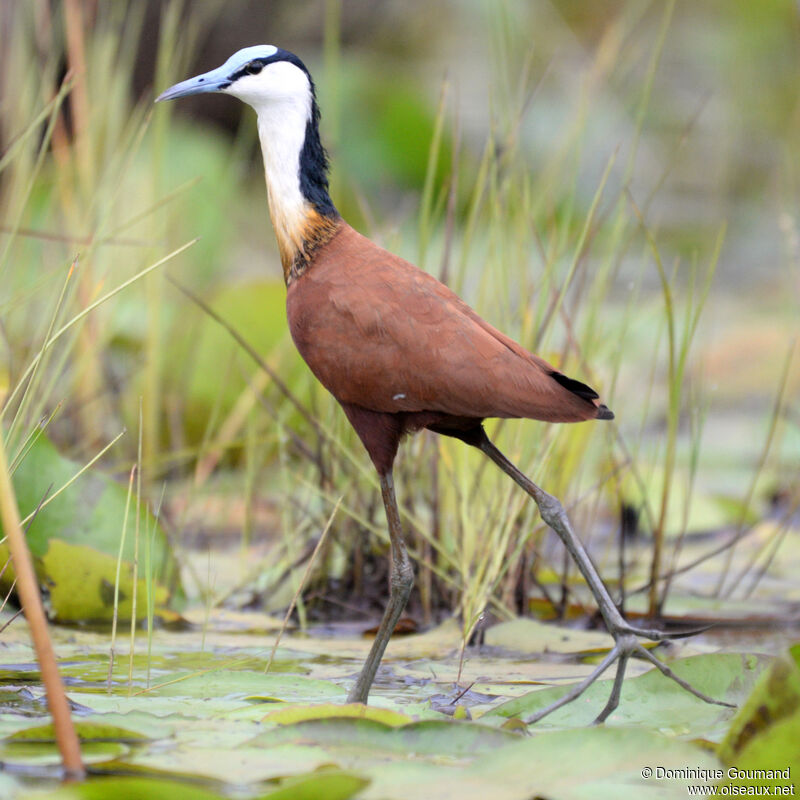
<point x="396" y="348"/>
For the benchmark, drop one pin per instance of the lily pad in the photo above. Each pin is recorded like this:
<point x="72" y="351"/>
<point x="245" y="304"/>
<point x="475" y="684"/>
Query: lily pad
<point x="81" y="581"/>
<point x="37" y="745"/>
<point x="205" y="756"/>
<point x="245" y="684"/>
<point x="128" y="788"/>
<point x="765" y="734"/>
<point x="75" y="540"/>
<point x="87" y="732"/>
<point x="653" y="700"/>
<point x="530" y="636"/>
<point x="427" y="738"/>
<point x="160" y="708"/>
<point x="772" y="752"/>
<point x="290" y="714"/>
<point x="590" y="763"/>
<point x="42" y="754"/>
<point x="332" y="785"/>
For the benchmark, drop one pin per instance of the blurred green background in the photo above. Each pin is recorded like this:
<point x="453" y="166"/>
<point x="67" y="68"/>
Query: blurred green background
<point x="614" y="184"/>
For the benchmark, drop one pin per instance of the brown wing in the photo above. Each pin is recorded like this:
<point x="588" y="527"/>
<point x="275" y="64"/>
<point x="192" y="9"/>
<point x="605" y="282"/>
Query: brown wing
<point x="382" y="334"/>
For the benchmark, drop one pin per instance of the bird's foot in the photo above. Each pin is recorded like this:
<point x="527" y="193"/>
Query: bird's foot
<point x="626" y="636"/>
<point x="358" y="694"/>
<point x="626" y="645"/>
<point x="657" y="635"/>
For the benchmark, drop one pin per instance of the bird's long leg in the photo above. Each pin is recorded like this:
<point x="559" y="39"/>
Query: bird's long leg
<point x="625" y="644"/>
<point x="555" y="516"/>
<point x="616" y="690"/>
<point x="402" y="581"/>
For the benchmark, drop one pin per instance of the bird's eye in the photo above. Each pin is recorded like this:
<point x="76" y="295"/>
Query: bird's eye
<point x="254" y="67"/>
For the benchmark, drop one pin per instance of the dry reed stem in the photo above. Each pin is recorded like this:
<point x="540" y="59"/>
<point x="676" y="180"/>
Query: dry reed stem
<point x="31" y="601"/>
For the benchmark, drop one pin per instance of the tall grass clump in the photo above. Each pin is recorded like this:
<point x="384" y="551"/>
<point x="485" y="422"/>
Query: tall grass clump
<point x="566" y="257"/>
<point x="73" y="183"/>
<point x="539" y="255"/>
<point x="559" y="246"/>
<point x="77" y="232"/>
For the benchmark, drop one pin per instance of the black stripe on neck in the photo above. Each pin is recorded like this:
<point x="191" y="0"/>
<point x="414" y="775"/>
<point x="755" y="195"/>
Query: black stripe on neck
<point x="313" y="157"/>
<point x="314" y="165"/>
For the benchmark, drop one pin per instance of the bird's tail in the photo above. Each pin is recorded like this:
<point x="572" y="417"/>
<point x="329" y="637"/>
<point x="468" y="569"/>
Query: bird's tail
<point x="585" y="393"/>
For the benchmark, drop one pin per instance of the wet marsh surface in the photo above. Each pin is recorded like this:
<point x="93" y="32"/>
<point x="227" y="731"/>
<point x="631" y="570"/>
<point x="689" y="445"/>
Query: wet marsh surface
<point x="198" y="712"/>
<point x="517" y="112"/>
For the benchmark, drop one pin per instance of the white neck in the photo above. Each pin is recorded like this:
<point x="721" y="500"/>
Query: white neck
<point x="282" y="131"/>
<point x="282" y="96"/>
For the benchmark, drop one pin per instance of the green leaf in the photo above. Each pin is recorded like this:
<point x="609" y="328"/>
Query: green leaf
<point x="300" y="712"/>
<point x="99" y="742"/>
<point x="654" y="700"/>
<point x="217" y="755"/>
<point x="765" y="734"/>
<point x="257" y="311"/>
<point x="333" y="785"/>
<point x="530" y="636"/>
<point x="81" y="581"/>
<point x="773" y="750"/>
<point x="225" y="683"/>
<point x="584" y="764"/>
<point x="87" y="732"/>
<point x="75" y="539"/>
<point x="594" y="763"/>
<point x="426" y="738"/>
<point x="48" y="754"/>
<point x="127" y="788"/>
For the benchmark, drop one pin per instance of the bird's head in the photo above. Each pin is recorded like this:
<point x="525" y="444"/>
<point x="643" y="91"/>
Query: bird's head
<point x="261" y="76"/>
<point x="278" y="86"/>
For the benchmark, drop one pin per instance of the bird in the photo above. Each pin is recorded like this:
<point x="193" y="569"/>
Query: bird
<point x="398" y="349"/>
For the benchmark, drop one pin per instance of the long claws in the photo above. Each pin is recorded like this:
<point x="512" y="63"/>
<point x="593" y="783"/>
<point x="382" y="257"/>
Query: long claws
<point x="668" y="673"/>
<point x="646" y="633"/>
<point x="577" y="690"/>
<point x="625" y="646"/>
<point x="660" y="636"/>
<point x="686" y="633"/>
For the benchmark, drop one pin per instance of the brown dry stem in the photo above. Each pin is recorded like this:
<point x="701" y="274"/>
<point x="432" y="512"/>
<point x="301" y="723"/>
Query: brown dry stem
<point x="31" y="602"/>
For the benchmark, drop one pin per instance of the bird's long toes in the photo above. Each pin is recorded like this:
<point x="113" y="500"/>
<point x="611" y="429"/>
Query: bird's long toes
<point x="656" y="635"/>
<point x="619" y="631"/>
<point x="668" y="673"/>
<point x="685" y="633"/>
